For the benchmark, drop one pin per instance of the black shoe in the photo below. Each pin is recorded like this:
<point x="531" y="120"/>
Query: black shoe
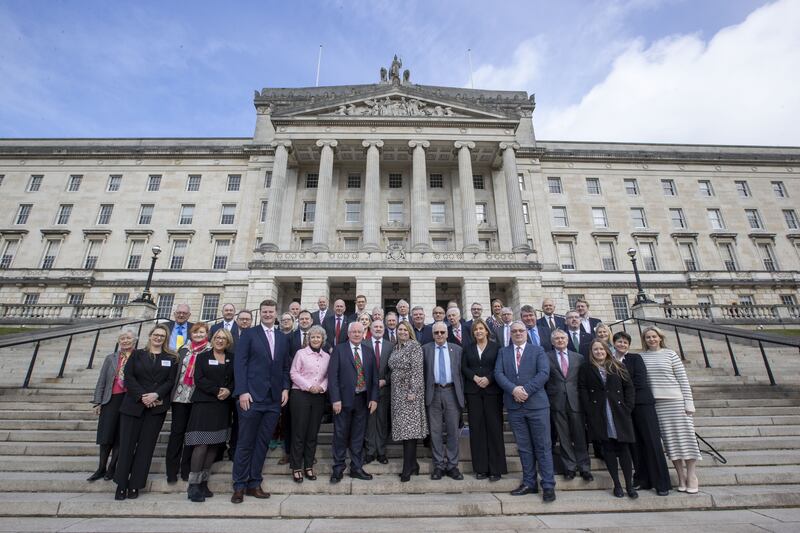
<point x="436" y="474"/>
<point x="415" y="472"/>
<point x="133" y="494"/>
<point x="618" y="492"/>
<point x="109" y="474"/>
<point x="548" y="495"/>
<point x="120" y="494"/>
<point x="205" y="490"/>
<point x="360" y="474"/>
<point x="587" y="476"/>
<point x="632" y="494"/>
<point x="382" y="459"/>
<point x="662" y="492"/>
<point x="185" y="477"/>
<point x="454" y="473"/>
<point x="524" y="489"/>
<point x="336" y="477"/>
<point x="100" y="472"/>
<point x="405" y="478"/>
<point x="172" y="480"/>
<point x="481" y="475"/>
<point x="494" y="477"/>
<point x="195" y="493"/>
<point x="569" y="475"/>
<point x="368" y="459"/>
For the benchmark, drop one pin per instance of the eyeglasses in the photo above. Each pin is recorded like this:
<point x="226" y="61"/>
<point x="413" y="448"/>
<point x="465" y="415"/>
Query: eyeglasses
<point x="158" y="336"/>
<point x="440" y="333"/>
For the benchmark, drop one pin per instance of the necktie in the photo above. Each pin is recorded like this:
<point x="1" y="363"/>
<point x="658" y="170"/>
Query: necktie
<point x="228" y="326"/>
<point x="180" y="336"/>
<point x="271" y="341"/>
<point x="391" y="335"/>
<point x="576" y="340"/>
<point x="564" y="364"/>
<point x="458" y="334"/>
<point x="507" y="335"/>
<point x="378" y="353"/>
<point x="360" y="380"/>
<point x="534" y="335"/>
<point x="519" y="357"/>
<point x="338" y="327"/>
<point x="442" y="367"/>
<point x="305" y="339"/>
<point x="552" y="324"/>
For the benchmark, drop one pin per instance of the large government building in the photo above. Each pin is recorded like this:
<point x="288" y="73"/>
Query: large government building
<point x="395" y="190"/>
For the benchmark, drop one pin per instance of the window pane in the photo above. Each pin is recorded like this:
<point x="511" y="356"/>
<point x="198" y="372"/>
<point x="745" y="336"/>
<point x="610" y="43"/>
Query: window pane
<point x="638" y="217"/>
<point x="354" y="181"/>
<point x="193" y="183"/>
<point x="478" y="182"/>
<point x="268" y="180"/>
<point x="135" y="254"/>
<point x="395" y="181"/>
<point x="668" y="186"/>
<point x="165" y="302"/>
<point x="178" y="254"/>
<point x="74" y="183"/>
<point x="779" y="189"/>
<point x="599" y="217"/>
<point x="234" y="182"/>
<point x="221" y="252"/>
<point x="566" y="256"/>
<point x="114" y="183"/>
<point x="705" y="188"/>
<point x="23" y="213"/>
<point x="678" y="220"/>
<point x="560" y="217"/>
<point x="632" y="187"/>
<point x="352" y="212"/>
<point x="308" y="211"/>
<point x="554" y="185"/>
<point x="607" y="256"/>
<point x="9" y="251"/>
<point x="210" y="306"/>
<point x="435" y="181"/>
<point x="620" y="304"/>
<point x="64" y="212"/>
<point x="312" y="180"/>
<point x="228" y="213"/>
<point x="187" y="214"/>
<point x="395" y="213"/>
<point x="480" y="213"/>
<point x="790" y="216"/>
<point x="593" y="185"/>
<point x="104" y="217"/>
<point x="263" y="215"/>
<point x="153" y="183"/>
<point x="146" y="213"/>
<point x="437" y="213"/>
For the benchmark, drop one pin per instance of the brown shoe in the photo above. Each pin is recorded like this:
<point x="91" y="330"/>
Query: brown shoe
<point x="257" y="493"/>
<point x="238" y="496"/>
<point x="283" y="460"/>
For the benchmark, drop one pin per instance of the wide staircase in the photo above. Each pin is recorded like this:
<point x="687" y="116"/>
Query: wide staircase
<point x="47" y="450"/>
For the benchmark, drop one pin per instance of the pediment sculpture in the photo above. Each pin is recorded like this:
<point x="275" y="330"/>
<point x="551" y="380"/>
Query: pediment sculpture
<point x="394" y="107"/>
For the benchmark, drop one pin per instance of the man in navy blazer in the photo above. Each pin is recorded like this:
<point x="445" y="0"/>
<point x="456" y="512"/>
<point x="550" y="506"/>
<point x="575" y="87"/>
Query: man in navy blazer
<point x="422" y="331"/>
<point x="548" y="323"/>
<point x="261" y="375"/>
<point x="457" y="330"/>
<point x="228" y="322"/>
<point x="353" y="389"/>
<point x="522" y="371"/>
<point x="576" y="332"/>
<point x="332" y="320"/>
<point x="588" y="323"/>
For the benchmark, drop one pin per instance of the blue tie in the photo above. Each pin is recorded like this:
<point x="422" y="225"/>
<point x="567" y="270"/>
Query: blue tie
<point x="442" y="367"/>
<point x="534" y="335"/>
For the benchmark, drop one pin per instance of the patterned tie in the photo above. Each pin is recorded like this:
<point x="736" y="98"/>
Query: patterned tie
<point x="552" y="324"/>
<point x="338" y="327"/>
<point x="458" y="334"/>
<point x="564" y="364"/>
<point x="442" y="367"/>
<point x="378" y="352"/>
<point x="576" y="340"/>
<point x="180" y="338"/>
<point x="507" y="330"/>
<point x="361" y="382"/>
<point x="391" y="335"/>
<point x="519" y="357"/>
<point x="305" y="339"/>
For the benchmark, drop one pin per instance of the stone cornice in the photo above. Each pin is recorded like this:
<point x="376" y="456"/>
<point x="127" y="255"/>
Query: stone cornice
<point x="676" y="156"/>
<point x="68" y="151"/>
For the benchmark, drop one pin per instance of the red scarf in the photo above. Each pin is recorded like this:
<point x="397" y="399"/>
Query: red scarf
<point x="194" y="349"/>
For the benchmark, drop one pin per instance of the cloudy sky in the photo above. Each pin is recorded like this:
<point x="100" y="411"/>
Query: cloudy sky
<point x="696" y="71"/>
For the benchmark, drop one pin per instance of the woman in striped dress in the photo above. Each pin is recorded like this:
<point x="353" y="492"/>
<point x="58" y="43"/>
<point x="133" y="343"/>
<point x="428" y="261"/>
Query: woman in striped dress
<point x="666" y="376"/>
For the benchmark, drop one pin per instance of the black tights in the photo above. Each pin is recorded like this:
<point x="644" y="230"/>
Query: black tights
<point x="105" y="451"/>
<point x="410" y="456"/>
<point x="613" y="450"/>
<point x="203" y="456"/>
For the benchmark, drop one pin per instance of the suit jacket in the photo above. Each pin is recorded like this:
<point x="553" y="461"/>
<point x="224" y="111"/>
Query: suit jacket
<point x="105" y="381"/>
<point x="585" y="342"/>
<point x="592" y="324"/>
<point x="315" y="316"/>
<point x="295" y="343"/>
<point x="171" y="326"/>
<point x="534" y="369"/>
<point x="383" y="367"/>
<point x="424" y="335"/>
<point x="563" y="390"/>
<point x="219" y="325"/>
<point x="545" y="331"/>
<point x="472" y="365"/>
<point x="498" y="334"/>
<point x="638" y="373"/>
<point x="429" y="358"/>
<point x="258" y="371"/>
<point x="620" y="396"/>
<point x="342" y="374"/>
<point x="387" y="337"/>
<point x="466" y="335"/>
<point x="143" y="375"/>
<point x="330" y="330"/>
<point x="210" y="377"/>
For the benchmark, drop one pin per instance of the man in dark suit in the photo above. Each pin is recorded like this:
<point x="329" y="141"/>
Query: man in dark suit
<point x="522" y="371"/>
<point x="244" y="319"/>
<point x="502" y="333"/>
<point x="336" y="326"/>
<point x="361" y="307"/>
<point x="261" y="376"/>
<point x="444" y="401"/>
<point x="299" y="338"/>
<point x="353" y="388"/>
<point x="390" y="327"/>
<point x="578" y="340"/>
<point x="228" y="322"/>
<point x="548" y="323"/>
<point x="476" y="310"/>
<point x="402" y="311"/>
<point x="566" y="413"/>
<point x="319" y="316"/>
<point x="458" y="332"/>
<point x="528" y="316"/>
<point x="179" y="327"/>
<point x="587" y="323"/>
<point x="422" y="331"/>
<point x="378" y="423"/>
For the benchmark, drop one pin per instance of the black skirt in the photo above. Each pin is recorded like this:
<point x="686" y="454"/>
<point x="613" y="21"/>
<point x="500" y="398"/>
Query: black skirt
<point x="108" y="424"/>
<point x="209" y="423"/>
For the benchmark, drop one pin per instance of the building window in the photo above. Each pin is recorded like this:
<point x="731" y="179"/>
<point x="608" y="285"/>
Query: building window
<point x="153" y="183"/>
<point x="705" y="188"/>
<point x="767" y="254"/>
<point x="620" y="304"/>
<point x="566" y="255"/>
<point x="165" y="302"/>
<point x="351" y="244"/>
<point x="395" y="213"/>
<point x="64" y="212"/>
<point x="638" y="217"/>
<point x="23" y="212"/>
<point x="728" y="254"/>
<point x="193" y="182"/>
<point x="754" y="219"/>
<point x="75" y="298"/>
<point x="689" y="256"/>
<point x="560" y="219"/>
<point x="30" y="298"/>
<point x="187" y="214"/>
<point x="228" y="214"/>
<point x="779" y="189"/>
<point x="478" y="183"/>
<point x="554" y="185"/>
<point x="104" y="215"/>
<point x="746" y="299"/>
<point x="354" y="181"/>
<point x="437" y="213"/>
<point x="92" y="253"/>
<point x="179" y="247"/>
<point x="395" y="181"/>
<point x="599" y="217"/>
<point x="521" y="181"/>
<point x="135" y="254"/>
<point x="435" y="181"/>
<point x="222" y="249"/>
<point x="51" y="248"/>
<point x="573" y="299"/>
<point x="234" y="182"/>
<point x="74" y="183"/>
<point x="210" y="306"/>
<point x="309" y="209"/>
<point x="312" y="181"/>
<point x="480" y="214"/>
<point x="788" y="299"/>
<point x="607" y="256"/>
<point x="263" y="215"/>
<point x="593" y="186"/>
<point x="114" y="183"/>
<point x="668" y="186"/>
<point x="305" y="244"/>
<point x="790" y="216"/>
<point x="35" y="183"/>
<point x="440" y="245"/>
<point x="526" y="216"/>
<point x="146" y="213"/>
<point x="119" y="298"/>
<point x="631" y="187"/>
<point x="647" y="255"/>
<point x="9" y="251"/>
<point x="743" y="189"/>
<point x="678" y="218"/>
<point x="268" y="179"/>
<point x="352" y="212"/>
<point x="715" y="219"/>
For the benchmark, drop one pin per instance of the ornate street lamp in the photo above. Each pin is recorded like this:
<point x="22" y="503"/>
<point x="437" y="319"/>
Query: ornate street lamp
<point x="641" y="297"/>
<point x="146" y="297"/>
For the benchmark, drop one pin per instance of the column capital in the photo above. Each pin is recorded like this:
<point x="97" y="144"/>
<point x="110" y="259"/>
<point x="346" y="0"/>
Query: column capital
<point x="506" y="145"/>
<point x="377" y="143"/>
<point x="414" y="143"/>
<point x="333" y="143"/>
<point x="286" y="143"/>
<point x="464" y="144"/>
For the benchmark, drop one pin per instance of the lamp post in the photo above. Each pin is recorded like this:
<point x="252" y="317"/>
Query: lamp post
<point x="641" y="297"/>
<point x="146" y="297"/>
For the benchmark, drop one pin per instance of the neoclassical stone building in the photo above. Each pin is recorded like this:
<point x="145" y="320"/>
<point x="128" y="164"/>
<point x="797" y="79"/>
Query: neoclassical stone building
<point x="395" y="190"/>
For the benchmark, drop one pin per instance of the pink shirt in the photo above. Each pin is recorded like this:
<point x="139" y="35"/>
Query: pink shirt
<point x="310" y="368"/>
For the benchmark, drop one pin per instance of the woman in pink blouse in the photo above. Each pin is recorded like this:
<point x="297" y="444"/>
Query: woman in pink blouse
<point x="309" y="375"/>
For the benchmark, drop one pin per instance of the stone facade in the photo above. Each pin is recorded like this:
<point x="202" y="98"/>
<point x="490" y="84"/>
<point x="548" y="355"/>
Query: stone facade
<point x="396" y="190"/>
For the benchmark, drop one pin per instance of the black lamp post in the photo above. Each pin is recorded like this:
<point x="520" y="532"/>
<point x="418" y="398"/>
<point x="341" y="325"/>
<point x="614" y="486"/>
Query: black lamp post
<point x="641" y="297"/>
<point x="146" y="297"/>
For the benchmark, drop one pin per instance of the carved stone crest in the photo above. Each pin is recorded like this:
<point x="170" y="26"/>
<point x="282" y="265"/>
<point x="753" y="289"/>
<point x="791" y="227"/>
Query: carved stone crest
<point x="396" y="253"/>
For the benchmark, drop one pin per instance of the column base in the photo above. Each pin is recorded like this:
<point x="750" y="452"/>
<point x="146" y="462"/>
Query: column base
<point x="471" y="248"/>
<point x="421" y="247"/>
<point x="371" y="248"/>
<point x="319" y="247"/>
<point x="268" y="247"/>
<point x="523" y="248"/>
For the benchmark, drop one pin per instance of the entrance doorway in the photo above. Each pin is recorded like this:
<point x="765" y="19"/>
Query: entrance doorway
<point x="394" y="290"/>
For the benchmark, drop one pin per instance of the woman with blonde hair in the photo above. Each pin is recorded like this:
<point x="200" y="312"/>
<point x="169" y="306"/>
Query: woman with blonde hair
<point x="603" y="333"/>
<point x="366" y="319"/>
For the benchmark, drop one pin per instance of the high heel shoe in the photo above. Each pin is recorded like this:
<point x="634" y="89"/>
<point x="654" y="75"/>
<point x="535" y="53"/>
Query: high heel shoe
<point x="405" y="478"/>
<point x="100" y="472"/>
<point x="133" y="494"/>
<point x="310" y="475"/>
<point x="297" y="476"/>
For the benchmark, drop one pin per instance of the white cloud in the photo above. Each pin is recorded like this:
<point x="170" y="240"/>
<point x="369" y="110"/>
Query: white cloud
<point x="521" y="72"/>
<point x="741" y="87"/>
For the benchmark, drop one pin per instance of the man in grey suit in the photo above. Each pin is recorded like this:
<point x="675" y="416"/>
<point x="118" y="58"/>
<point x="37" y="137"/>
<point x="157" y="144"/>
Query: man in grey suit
<point x="378" y="422"/>
<point x="565" y="407"/>
<point x="444" y="400"/>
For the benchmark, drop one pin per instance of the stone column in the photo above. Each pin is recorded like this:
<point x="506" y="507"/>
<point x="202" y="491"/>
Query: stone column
<point x="371" y="213"/>
<point x="260" y="287"/>
<point x="476" y="290"/>
<point x="371" y="287"/>
<point x="420" y="210"/>
<point x="519" y="243"/>
<point x="423" y="293"/>
<point x="312" y="289"/>
<point x="273" y="222"/>
<point x="465" y="186"/>
<point x="322" y="215"/>
<point x="525" y="290"/>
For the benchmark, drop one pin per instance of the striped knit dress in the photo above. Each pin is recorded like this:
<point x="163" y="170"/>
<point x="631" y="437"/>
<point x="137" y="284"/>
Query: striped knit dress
<point x="666" y="376"/>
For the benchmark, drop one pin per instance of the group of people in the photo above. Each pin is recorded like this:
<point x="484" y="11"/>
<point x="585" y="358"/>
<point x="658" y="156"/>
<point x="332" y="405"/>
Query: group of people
<point x="564" y="381"/>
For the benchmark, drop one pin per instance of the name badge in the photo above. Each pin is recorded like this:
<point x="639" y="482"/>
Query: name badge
<point x="166" y="363"/>
<point x="213" y="362"/>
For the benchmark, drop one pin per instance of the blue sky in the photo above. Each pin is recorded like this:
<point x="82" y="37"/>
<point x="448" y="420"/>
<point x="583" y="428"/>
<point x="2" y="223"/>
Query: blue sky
<point x="708" y="71"/>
